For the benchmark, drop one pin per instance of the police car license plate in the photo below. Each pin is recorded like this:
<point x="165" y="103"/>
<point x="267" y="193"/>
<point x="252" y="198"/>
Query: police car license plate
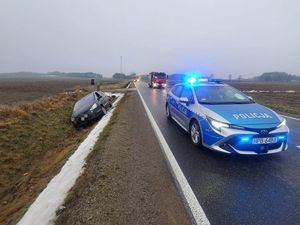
<point x="267" y="140"/>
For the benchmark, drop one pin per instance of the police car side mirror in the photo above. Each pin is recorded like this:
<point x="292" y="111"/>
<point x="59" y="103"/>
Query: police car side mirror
<point x="184" y="100"/>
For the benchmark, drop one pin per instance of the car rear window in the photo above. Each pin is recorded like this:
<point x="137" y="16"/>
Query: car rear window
<point x="87" y="100"/>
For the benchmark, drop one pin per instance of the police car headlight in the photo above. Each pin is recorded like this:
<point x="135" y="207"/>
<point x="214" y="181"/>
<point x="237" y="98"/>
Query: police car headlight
<point x="217" y="124"/>
<point x="283" y="123"/>
<point x="93" y="107"/>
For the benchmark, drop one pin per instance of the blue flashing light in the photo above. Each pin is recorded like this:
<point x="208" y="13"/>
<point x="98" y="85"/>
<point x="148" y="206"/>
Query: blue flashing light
<point x="244" y="139"/>
<point x="191" y="80"/>
<point x="281" y="137"/>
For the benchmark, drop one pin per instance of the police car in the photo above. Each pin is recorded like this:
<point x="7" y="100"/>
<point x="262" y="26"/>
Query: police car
<point x="224" y="119"/>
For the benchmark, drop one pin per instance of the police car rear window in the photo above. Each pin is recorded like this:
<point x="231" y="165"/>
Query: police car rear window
<point x="220" y="95"/>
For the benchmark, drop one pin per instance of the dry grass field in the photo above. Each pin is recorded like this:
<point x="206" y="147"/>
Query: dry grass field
<point x="36" y="137"/>
<point x="28" y="89"/>
<point x="284" y="97"/>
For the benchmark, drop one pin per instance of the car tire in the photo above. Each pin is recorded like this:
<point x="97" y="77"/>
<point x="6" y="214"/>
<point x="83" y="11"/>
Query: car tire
<point x="195" y="133"/>
<point x="168" y="112"/>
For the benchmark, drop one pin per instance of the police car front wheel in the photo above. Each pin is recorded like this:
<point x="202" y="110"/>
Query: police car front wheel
<point x="195" y="133"/>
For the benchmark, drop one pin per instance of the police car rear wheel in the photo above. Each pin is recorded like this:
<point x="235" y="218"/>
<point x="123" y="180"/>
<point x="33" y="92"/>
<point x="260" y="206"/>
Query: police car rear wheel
<point x="195" y="134"/>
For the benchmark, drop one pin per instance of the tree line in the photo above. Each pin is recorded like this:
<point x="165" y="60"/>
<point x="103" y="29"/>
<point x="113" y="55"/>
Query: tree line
<point x="277" y="77"/>
<point x="77" y="74"/>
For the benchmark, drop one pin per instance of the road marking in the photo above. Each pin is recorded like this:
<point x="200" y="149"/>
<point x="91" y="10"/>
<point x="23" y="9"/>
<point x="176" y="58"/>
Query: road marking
<point x="191" y="202"/>
<point x="293" y="118"/>
<point x="128" y="85"/>
<point x="298" y="146"/>
<point x="43" y="210"/>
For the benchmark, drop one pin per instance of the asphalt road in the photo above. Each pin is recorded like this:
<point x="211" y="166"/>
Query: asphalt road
<point x="235" y="189"/>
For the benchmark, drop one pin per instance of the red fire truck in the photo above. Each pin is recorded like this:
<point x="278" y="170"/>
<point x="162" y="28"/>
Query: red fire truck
<point x="157" y="79"/>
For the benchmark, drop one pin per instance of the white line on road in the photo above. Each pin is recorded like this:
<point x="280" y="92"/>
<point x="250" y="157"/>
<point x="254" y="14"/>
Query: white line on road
<point x="293" y="118"/>
<point x="43" y="210"/>
<point x="128" y="85"/>
<point x="298" y="146"/>
<point x="185" y="189"/>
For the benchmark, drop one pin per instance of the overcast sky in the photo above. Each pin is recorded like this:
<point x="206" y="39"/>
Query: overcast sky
<point x="222" y="37"/>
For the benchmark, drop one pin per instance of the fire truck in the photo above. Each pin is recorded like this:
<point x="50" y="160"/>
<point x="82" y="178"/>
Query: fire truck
<point x="157" y="79"/>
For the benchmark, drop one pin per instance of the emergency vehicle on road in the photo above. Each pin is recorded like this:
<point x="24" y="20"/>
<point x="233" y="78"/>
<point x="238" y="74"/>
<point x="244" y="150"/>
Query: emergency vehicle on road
<point x="224" y="119"/>
<point x="157" y="79"/>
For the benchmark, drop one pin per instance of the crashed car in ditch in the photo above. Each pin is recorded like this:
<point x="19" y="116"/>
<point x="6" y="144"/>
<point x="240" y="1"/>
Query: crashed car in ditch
<point x="90" y="107"/>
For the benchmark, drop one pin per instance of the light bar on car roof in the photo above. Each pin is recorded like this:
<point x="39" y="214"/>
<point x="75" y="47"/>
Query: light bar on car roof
<point x="193" y="80"/>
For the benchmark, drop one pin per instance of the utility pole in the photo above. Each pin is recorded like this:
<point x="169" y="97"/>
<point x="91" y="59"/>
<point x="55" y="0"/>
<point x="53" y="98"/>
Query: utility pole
<point x="121" y="64"/>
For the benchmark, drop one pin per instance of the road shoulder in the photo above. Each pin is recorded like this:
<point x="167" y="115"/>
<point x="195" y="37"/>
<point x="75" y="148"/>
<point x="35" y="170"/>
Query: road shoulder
<point x="126" y="180"/>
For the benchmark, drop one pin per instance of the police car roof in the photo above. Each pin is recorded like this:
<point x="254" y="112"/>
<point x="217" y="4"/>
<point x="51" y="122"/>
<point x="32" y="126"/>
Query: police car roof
<point x="203" y="84"/>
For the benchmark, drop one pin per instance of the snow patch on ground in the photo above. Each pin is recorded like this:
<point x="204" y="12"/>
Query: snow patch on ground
<point x="43" y="209"/>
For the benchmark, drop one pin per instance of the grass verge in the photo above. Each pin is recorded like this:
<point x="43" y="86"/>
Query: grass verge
<point x="34" y="142"/>
<point x="36" y="138"/>
<point x="81" y="181"/>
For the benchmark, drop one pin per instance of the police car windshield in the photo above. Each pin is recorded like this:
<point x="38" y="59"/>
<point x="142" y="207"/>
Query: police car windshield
<point x="220" y="95"/>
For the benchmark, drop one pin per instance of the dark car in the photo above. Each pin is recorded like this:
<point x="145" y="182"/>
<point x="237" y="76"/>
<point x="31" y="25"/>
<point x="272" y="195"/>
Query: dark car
<point x="90" y="107"/>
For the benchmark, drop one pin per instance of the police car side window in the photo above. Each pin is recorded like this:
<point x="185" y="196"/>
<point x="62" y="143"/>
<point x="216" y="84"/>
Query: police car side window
<point x="187" y="92"/>
<point x="177" y="90"/>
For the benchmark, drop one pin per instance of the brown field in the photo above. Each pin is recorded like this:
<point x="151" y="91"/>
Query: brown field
<point x="36" y="137"/>
<point x="288" y="102"/>
<point x="27" y="89"/>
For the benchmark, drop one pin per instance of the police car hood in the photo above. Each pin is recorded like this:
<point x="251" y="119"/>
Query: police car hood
<point x="247" y="115"/>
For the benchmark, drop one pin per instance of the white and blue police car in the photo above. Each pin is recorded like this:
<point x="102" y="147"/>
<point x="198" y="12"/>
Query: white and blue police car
<point x="224" y="119"/>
